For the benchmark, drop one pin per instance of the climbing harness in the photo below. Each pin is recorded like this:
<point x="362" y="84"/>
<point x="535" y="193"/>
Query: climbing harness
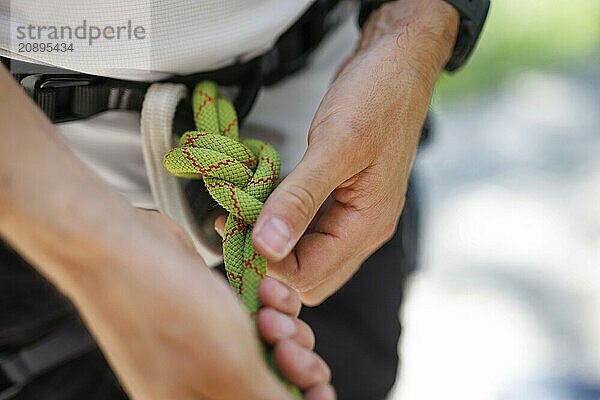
<point x="239" y="175"/>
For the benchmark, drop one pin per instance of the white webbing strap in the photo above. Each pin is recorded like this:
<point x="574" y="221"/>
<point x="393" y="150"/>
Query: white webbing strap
<point x="158" y="111"/>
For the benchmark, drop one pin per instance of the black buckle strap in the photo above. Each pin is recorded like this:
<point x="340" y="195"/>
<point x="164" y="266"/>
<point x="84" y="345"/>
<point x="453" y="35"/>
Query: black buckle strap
<point x="65" y="344"/>
<point x="66" y="97"/>
<point x="70" y="96"/>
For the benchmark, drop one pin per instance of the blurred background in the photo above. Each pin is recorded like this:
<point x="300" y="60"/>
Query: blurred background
<point x="507" y="303"/>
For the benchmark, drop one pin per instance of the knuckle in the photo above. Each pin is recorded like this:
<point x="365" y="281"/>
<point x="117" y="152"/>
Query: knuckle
<point x="316" y="365"/>
<point x="323" y="373"/>
<point x="308" y="333"/>
<point x="301" y="201"/>
<point x="312" y="299"/>
<point x="381" y="237"/>
<point x="388" y="232"/>
<point x="385" y="8"/>
<point x="305" y="280"/>
<point x="293" y="305"/>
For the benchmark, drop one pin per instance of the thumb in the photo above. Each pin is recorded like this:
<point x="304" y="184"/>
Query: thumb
<point x="293" y="204"/>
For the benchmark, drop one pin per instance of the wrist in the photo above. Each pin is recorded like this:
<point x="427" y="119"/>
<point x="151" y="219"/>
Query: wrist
<point x="66" y="237"/>
<point x="53" y="211"/>
<point x="419" y="33"/>
<point x="436" y="24"/>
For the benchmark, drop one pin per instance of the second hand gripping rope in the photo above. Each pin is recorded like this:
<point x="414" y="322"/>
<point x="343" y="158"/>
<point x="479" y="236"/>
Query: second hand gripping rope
<point x="239" y="175"/>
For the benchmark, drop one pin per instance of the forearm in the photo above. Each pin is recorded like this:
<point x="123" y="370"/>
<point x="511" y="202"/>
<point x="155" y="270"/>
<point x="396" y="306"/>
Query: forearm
<point x="412" y="41"/>
<point x="403" y="49"/>
<point x="50" y="203"/>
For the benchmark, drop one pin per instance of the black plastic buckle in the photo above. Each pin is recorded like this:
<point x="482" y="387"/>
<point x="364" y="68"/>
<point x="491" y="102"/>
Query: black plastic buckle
<point x="14" y="374"/>
<point x="54" y="94"/>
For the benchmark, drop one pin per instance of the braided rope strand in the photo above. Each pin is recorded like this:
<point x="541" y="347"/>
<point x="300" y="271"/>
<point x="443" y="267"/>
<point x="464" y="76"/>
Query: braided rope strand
<point x="239" y="175"/>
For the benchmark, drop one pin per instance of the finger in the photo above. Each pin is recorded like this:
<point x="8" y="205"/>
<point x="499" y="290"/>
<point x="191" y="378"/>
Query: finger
<point x="220" y="224"/>
<point x="275" y="326"/>
<point x="279" y="296"/>
<point x="305" y="336"/>
<point x="301" y="366"/>
<point x="290" y="208"/>
<point x="342" y="252"/>
<point x="349" y="231"/>
<point x="315" y="296"/>
<point x="335" y="249"/>
<point x="320" y="392"/>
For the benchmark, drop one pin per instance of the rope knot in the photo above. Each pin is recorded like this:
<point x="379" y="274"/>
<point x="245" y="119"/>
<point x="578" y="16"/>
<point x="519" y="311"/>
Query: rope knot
<point x="239" y="175"/>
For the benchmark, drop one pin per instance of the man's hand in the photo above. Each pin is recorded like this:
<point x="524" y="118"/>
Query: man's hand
<point x="343" y="200"/>
<point x="172" y="329"/>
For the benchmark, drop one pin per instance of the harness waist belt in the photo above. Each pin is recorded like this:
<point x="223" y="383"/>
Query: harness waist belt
<point x="67" y="95"/>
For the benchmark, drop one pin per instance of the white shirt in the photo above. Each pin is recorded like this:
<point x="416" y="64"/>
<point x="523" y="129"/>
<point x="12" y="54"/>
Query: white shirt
<point x="161" y="37"/>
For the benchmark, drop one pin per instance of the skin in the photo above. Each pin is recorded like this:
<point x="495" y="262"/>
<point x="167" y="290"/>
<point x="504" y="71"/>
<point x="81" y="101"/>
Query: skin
<point x="343" y="201"/>
<point x="170" y="327"/>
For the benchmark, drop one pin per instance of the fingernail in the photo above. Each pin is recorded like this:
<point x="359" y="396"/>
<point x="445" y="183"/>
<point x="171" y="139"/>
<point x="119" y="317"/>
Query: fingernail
<point x="307" y="360"/>
<point x="284" y="326"/>
<point x="274" y="237"/>
<point x="219" y="230"/>
<point x="278" y="290"/>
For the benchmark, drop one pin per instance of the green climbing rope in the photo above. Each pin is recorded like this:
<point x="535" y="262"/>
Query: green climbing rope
<point x="239" y="175"/>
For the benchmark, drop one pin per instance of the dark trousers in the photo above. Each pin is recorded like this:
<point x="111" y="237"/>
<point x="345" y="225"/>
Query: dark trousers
<point x="357" y="329"/>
